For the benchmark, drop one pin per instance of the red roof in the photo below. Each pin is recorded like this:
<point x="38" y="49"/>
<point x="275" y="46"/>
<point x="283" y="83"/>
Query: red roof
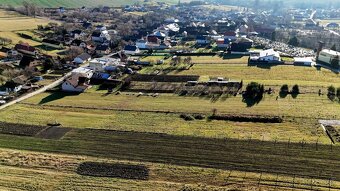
<point x="153" y="39"/>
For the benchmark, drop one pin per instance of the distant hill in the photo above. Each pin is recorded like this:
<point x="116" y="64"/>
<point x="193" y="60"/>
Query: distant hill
<point x="77" y="3"/>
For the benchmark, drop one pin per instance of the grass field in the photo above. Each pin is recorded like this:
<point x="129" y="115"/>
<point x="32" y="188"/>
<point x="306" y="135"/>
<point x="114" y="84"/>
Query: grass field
<point x="22" y="24"/>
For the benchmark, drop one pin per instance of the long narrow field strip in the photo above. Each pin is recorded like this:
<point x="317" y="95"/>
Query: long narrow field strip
<point x="304" y="106"/>
<point x="172" y="124"/>
<point x="276" y="75"/>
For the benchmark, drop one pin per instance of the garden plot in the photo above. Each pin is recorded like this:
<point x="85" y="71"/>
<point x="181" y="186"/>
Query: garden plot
<point x="20" y="129"/>
<point x="125" y="171"/>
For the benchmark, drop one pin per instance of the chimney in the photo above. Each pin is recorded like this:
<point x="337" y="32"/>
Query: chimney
<point x="319" y="49"/>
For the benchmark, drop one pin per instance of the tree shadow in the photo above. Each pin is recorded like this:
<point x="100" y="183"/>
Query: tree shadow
<point x="56" y="96"/>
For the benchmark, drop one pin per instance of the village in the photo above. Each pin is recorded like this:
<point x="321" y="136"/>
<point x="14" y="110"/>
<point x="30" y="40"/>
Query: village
<point x="169" y="95"/>
<point x="96" y="51"/>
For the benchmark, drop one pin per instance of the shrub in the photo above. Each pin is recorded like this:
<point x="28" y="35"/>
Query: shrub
<point x="331" y="93"/>
<point x="338" y="93"/>
<point x="186" y="117"/>
<point x="199" y="116"/>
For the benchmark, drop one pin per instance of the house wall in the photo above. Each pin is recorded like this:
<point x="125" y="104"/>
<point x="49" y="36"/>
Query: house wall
<point x="66" y="86"/>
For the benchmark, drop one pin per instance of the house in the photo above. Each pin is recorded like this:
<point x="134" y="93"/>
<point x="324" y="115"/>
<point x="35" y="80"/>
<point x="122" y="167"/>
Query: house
<point x="241" y="45"/>
<point x="79" y="43"/>
<point x="82" y="58"/>
<point x="103" y="49"/>
<point x="131" y="49"/>
<point x="100" y="36"/>
<point x="223" y="43"/>
<point x="230" y="35"/>
<point x="16" y="83"/>
<point x="153" y="39"/>
<point x="202" y="40"/>
<point x="101" y="64"/>
<point x="77" y="33"/>
<point x="266" y="56"/>
<point x="52" y="43"/>
<point x="87" y="25"/>
<point x="101" y="28"/>
<point x="79" y="80"/>
<point x="141" y="43"/>
<point x="25" y="48"/>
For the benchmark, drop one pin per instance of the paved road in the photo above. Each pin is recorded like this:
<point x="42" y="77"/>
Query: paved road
<point x="41" y="90"/>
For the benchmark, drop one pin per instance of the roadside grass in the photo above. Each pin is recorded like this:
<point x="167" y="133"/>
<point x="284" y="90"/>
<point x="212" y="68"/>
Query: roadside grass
<point x="276" y="75"/>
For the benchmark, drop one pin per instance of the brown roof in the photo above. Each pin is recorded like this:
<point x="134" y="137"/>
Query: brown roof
<point x="24" y="46"/>
<point x="20" y="79"/>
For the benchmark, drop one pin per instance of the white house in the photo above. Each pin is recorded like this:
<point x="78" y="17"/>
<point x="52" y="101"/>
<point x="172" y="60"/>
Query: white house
<point x="99" y="64"/>
<point x="79" y="80"/>
<point x="100" y="36"/>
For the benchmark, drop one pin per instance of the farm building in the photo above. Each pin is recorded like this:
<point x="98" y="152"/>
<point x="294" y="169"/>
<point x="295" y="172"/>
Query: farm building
<point x="308" y="61"/>
<point x="79" y="80"/>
